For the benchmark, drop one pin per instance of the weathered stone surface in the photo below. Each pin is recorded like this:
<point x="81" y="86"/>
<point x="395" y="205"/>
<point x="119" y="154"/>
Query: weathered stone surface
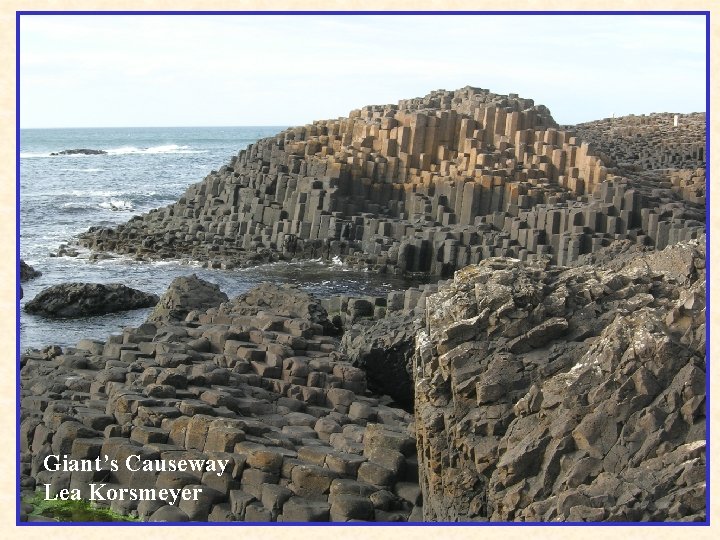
<point x="85" y="299"/>
<point x="285" y="428"/>
<point x="384" y="350"/>
<point x="287" y="301"/>
<point x="185" y="294"/>
<point x="591" y="419"/>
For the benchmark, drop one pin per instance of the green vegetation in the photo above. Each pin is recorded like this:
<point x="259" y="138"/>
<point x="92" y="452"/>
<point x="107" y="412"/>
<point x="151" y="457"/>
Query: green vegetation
<point x="72" y="510"/>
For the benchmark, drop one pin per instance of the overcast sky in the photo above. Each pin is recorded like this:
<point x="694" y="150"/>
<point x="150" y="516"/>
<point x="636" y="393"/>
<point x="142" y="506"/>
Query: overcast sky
<point x="83" y="71"/>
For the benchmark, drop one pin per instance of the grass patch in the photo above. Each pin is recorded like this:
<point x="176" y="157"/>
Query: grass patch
<point x="72" y="510"/>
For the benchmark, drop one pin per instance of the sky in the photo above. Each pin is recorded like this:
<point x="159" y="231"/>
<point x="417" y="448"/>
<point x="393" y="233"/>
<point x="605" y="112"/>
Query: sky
<point x="233" y="70"/>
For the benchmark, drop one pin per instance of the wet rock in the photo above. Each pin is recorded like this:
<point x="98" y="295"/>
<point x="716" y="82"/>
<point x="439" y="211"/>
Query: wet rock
<point x="86" y="299"/>
<point x="80" y="151"/>
<point x="27" y="272"/>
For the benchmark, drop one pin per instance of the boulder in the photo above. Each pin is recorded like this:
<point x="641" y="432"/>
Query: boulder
<point x="281" y="300"/>
<point x="185" y="294"/>
<point x="85" y="299"/>
<point x="27" y="272"/>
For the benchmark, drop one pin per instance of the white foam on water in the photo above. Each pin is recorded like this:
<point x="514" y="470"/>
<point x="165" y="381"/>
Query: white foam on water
<point x="76" y="206"/>
<point x="33" y="154"/>
<point x="95" y="193"/>
<point x="161" y="149"/>
<point x="117" y="205"/>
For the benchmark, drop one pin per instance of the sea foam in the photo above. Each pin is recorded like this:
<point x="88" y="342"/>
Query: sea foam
<point x="162" y="149"/>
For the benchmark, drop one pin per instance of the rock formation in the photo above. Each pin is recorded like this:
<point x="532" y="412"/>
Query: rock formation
<point x="428" y="185"/>
<point x="81" y="151"/>
<point x="565" y="394"/>
<point x="559" y="375"/>
<point x="185" y="294"/>
<point x="651" y="142"/>
<point x="384" y="350"/>
<point x="27" y="272"/>
<point x="85" y="299"/>
<point x="240" y="381"/>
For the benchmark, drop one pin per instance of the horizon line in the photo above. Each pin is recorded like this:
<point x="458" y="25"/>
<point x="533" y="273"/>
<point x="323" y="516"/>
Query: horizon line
<point x="285" y="126"/>
<point x="166" y="126"/>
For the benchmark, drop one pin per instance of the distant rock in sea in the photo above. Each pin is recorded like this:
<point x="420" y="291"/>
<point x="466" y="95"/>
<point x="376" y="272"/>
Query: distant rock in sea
<point x="75" y="151"/>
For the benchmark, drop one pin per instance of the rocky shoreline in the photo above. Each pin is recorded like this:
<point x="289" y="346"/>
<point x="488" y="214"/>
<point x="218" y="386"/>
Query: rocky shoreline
<point x="429" y="186"/>
<point x="540" y="393"/>
<point x="557" y="373"/>
<point x="258" y="384"/>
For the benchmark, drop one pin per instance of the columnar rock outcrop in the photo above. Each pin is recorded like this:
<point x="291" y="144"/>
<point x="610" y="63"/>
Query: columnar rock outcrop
<point x="565" y="394"/>
<point x="649" y="142"/>
<point x="429" y="185"/>
<point x="558" y="376"/>
<point x="254" y="381"/>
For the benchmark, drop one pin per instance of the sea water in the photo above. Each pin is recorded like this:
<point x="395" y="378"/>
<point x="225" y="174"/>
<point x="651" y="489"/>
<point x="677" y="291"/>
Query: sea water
<point x="144" y="168"/>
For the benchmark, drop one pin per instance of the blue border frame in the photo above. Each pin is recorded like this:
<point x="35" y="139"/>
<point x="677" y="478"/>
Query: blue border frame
<point x="707" y="265"/>
<point x="706" y="14"/>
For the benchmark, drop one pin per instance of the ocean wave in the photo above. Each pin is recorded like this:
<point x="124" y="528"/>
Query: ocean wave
<point x="95" y="193"/>
<point x="83" y="170"/>
<point x="162" y="149"/>
<point x="120" y="151"/>
<point x="117" y="205"/>
<point x="72" y="207"/>
<point x="130" y="197"/>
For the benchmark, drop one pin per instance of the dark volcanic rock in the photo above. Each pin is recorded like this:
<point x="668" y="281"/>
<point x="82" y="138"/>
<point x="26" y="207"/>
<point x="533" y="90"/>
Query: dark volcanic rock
<point x="384" y="350"/>
<point x="84" y="299"/>
<point x="185" y="294"/>
<point x="75" y="151"/>
<point x="560" y="376"/>
<point x="551" y="394"/>
<point x="267" y="394"/>
<point x="27" y="272"/>
<point x="283" y="300"/>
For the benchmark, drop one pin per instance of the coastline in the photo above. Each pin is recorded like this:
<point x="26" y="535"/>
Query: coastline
<point x="502" y="218"/>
